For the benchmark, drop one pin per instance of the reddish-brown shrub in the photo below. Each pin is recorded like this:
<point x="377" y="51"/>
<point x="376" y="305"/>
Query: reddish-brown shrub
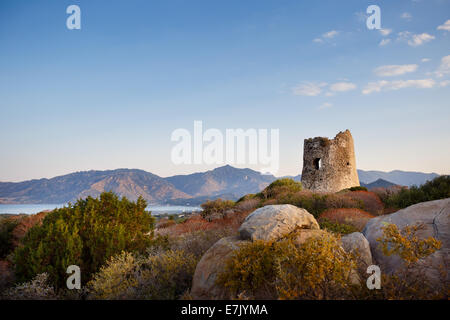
<point x="352" y="216"/>
<point x="197" y="223"/>
<point x="371" y="201"/>
<point x="25" y="223"/>
<point x="164" y="223"/>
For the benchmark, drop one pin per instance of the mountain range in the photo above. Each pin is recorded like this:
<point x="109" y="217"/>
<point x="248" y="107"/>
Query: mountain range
<point x="191" y="189"/>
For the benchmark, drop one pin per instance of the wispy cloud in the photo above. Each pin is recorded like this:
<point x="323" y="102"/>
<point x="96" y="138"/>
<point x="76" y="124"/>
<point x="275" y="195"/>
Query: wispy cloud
<point x="445" y="26"/>
<point x="385" y="32"/>
<point x="325" y="105"/>
<point x="406" y="16"/>
<point x="330" y="34"/>
<point x="385" y="85"/>
<point x="326" y="36"/>
<point x="415" y="40"/>
<point x="395" y="70"/>
<point x="342" y="86"/>
<point x="444" y="67"/>
<point x="384" y="42"/>
<point x="425" y="60"/>
<point x="308" y="89"/>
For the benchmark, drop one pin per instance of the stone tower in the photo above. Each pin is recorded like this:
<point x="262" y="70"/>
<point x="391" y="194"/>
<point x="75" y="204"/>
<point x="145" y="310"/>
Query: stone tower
<point x="329" y="165"/>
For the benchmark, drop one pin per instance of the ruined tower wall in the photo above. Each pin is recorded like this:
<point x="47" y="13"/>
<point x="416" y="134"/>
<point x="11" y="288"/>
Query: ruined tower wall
<point x="329" y="165"/>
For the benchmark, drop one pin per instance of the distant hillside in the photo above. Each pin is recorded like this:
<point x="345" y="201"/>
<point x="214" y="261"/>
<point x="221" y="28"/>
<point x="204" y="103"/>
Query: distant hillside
<point x="222" y="180"/>
<point x="226" y="182"/>
<point x="125" y="182"/>
<point x="380" y="183"/>
<point x="403" y="178"/>
<point x="397" y="177"/>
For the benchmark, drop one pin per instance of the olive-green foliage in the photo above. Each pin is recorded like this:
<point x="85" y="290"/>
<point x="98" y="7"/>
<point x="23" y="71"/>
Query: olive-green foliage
<point x="84" y="234"/>
<point x="316" y="203"/>
<point x="338" y="228"/>
<point x="317" y="269"/>
<point x="159" y="275"/>
<point x="217" y="206"/>
<point x="438" y="188"/>
<point x="280" y="186"/>
<point x="358" y="188"/>
<point x="408" y="282"/>
<point x="6" y="228"/>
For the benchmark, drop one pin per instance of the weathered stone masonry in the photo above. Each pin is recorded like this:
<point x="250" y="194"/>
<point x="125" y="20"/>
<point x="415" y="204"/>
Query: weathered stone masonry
<point x="329" y="165"/>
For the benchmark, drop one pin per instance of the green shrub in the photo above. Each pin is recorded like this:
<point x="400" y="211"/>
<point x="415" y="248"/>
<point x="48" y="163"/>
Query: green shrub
<point x="438" y="188"/>
<point x="338" y="228"/>
<point x="280" y="186"/>
<point x="85" y="234"/>
<point x="214" y="207"/>
<point x="317" y="269"/>
<point x="358" y="188"/>
<point x="161" y="275"/>
<point x="6" y="228"/>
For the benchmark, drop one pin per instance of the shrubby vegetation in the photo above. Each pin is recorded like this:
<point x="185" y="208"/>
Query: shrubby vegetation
<point x="84" y="234"/>
<point x="216" y="207"/>
<point x="6" y="244"/>
<point x="337" y="227"/>
<point x="317" y="269"/>
<point x="159" y="275"/>
<point x="438" y="188"/>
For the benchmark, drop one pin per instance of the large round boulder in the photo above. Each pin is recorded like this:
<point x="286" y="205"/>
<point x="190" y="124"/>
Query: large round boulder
<point x="208" y="268"/>
<point x="435" y="218"/>
<point x="273" y="222"/>
<point x="356" y="243"/>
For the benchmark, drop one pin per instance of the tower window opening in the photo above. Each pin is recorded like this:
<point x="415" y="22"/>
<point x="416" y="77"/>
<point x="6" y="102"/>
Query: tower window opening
<point x="317" y="163"/>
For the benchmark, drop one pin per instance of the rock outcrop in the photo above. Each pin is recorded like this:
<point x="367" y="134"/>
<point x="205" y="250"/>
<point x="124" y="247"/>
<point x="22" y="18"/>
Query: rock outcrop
<point x="275" y="221"/>
<point x="271" y="222"/>
<point x="435" y="217"/>
<point x="210" y="265"/>
<point x="356" y="242"/>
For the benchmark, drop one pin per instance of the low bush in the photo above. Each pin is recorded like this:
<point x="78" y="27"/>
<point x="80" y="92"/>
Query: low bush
<point x="349" y="216"/>
<point x="280" y="186"/>
<point x="369" y="201"/>
<point x="336" y="227"/>
<point x="358" y="188"/>
<point x="216" y="207"/>
<point x="438" y="188"/>
<point x="317" y="269"/>
<point x="37" y="289"/>
<point x="165" y="275"/>
<point x="6" y="238"/>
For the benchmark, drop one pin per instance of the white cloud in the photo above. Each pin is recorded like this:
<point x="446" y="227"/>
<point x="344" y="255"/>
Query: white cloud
<point x="445" y="26"/>
<point x="415" y="40"/>
<point x="444" y="83"/>
<point x="326" y="36"/>
<point x="385" y="32"/>
<point x="444" y="68"/>
<point x="385" y="85"/>
<point x="384" y="42"/>
<point x="308" y="89"/>
<point x="425" y="60"/>
<point x="406" y="16"/>
<point x="342" y="86"/>
<point x="394" y="70"/>
<point x="330" y="34"/>
<point x="325" y="105"/>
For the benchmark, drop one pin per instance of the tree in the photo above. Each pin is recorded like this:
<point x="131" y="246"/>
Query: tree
<point x="85" y="234"/>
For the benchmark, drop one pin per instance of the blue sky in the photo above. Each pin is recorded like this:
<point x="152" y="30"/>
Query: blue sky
<point x="110" y="95"/>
